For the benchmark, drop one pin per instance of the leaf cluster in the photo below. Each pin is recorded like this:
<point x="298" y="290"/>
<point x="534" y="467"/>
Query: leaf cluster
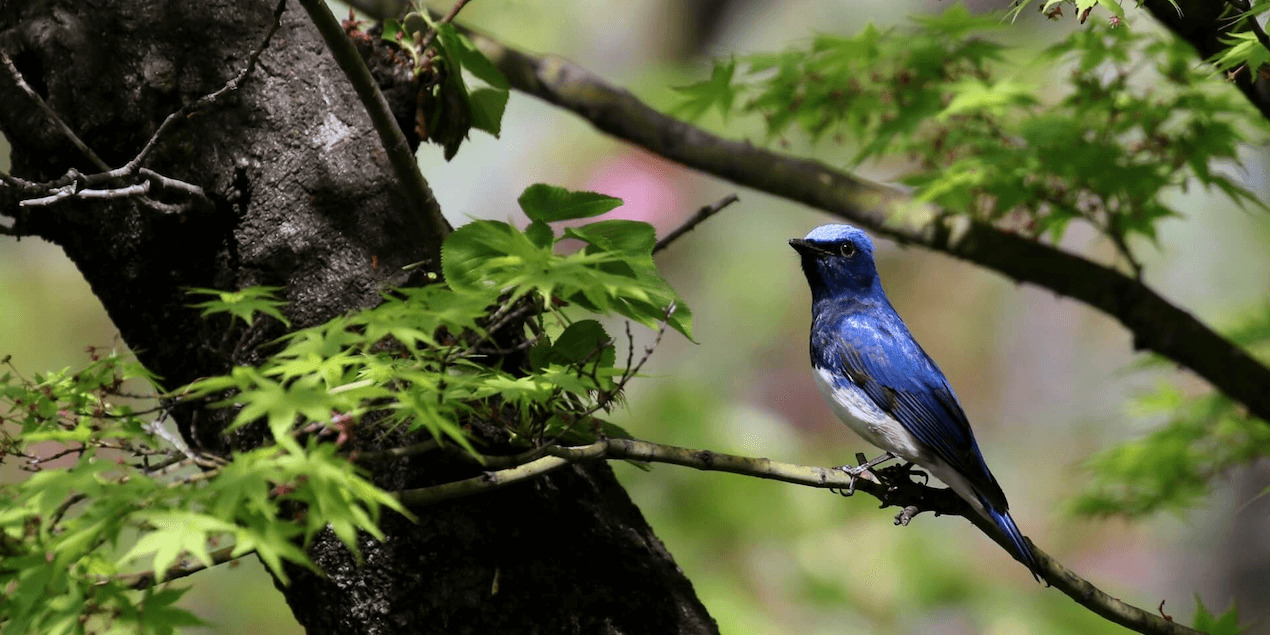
<point x="440" y="57"/>
<point x="426" y="358"/>
<point x="1173" y="466"/>
<point x="103" y="472"/>
<point x="1120" y="121"/>
<point x="111" y="488"/>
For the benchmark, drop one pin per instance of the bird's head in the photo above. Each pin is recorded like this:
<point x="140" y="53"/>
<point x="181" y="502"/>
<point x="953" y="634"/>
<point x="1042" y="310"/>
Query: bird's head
<point x="837" y="259"/>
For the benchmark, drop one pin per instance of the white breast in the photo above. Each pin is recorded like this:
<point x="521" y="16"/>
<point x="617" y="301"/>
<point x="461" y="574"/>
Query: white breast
<point x="872" y="423"/>
<point x="863" y="416"/>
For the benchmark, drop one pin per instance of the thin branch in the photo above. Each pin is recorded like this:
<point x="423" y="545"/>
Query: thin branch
<point x="210" y="98"/>
<point x="157" y="429"/>
<point x="169" y="183"/>
<point x="488" y="481"/>
<point x="147" y="579"/>
<point x="50" y="115"/>
<point x="400" y="156"/>
<point x="56" y="517"/>
<point x="394" y="453"/>
<point x="79" y="186"/>
<point x="446" y="19"/>
<point x="895" y="489"/>
<point x="1156" y="324"/>
<point x="128" y="191"/>
<point x="698" y="218"/>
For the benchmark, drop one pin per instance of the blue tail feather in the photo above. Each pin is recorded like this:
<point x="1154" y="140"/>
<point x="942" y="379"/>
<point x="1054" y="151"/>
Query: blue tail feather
<point x="1022" y="550"/>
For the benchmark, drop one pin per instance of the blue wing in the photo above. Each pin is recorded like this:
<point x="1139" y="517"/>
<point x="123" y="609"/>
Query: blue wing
<point x="876" y="352"/>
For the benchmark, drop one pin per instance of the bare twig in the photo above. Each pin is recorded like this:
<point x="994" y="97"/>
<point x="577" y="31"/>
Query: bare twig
<point x="74" y="185"/>
<point x="128" y="191"/>
<point x="606" y="397"/>
<point x="632" y="371"/>
<point x="50" y="115"/>
<point x="35" y="461"/>
<point x="56" y="517"/>
<point x="168" y="183"/>
<point x="446" y="19"/>
<point x="698" y="218"/>
<point x="206" y="100"/>
<point x="156" y="428"/>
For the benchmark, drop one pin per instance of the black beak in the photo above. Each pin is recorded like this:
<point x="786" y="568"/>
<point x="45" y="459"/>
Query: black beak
<point x="805" y="248"/>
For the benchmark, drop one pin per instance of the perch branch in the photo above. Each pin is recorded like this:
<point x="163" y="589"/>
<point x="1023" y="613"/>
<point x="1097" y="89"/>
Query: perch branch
<point x="486" y="482"/>
<point x="894" y="488"/>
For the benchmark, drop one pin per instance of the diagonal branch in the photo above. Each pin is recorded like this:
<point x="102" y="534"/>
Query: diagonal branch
<point x="1245" y="9"/>
<point x="400" y="155"/>
<point x="894" y="489"/>
<point x="206" y="100"/>
<point x="147" y="579"/>
<point x="49" y="114"/>
<point x="1156" y="324"/>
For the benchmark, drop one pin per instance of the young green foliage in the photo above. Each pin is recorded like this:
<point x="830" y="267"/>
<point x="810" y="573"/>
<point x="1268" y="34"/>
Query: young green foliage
<point x="441" y="56"/>
<point x="1099" y="139"/>
<point x="111" y="491"/>
<point x="1081" y="9"/>
<point x="1225" y="624"/>
<point x="102" y="471"/>
<point x="1173" y="466"/>
<point x="244" y="304"/>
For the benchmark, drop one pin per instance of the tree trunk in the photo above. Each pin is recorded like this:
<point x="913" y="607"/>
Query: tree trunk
<point x="300" y="197"/>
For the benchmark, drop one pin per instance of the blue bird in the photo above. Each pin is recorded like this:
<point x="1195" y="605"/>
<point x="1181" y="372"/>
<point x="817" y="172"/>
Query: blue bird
<point x="880" y="382"/>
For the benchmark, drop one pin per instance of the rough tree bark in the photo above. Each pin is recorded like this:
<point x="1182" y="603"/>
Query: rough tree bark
<point x="300" y="197"/>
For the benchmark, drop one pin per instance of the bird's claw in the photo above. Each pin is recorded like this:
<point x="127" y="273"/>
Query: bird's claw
<point x="855" y="472"/>
<point x="863" y="470"/>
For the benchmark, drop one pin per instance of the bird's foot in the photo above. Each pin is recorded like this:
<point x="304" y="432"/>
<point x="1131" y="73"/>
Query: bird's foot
<point x="862" y="470"/>
<point x="854" y="472"/>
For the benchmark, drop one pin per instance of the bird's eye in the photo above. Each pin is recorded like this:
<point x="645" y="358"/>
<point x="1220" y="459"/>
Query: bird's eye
<point x="847" y="250"/>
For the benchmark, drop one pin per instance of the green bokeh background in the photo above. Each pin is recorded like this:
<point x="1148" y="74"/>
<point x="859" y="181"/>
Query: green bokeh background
<point x="1043" y="379"/>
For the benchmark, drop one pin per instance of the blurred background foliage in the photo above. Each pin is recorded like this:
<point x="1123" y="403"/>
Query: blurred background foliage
<point x="1047" y="382"/>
